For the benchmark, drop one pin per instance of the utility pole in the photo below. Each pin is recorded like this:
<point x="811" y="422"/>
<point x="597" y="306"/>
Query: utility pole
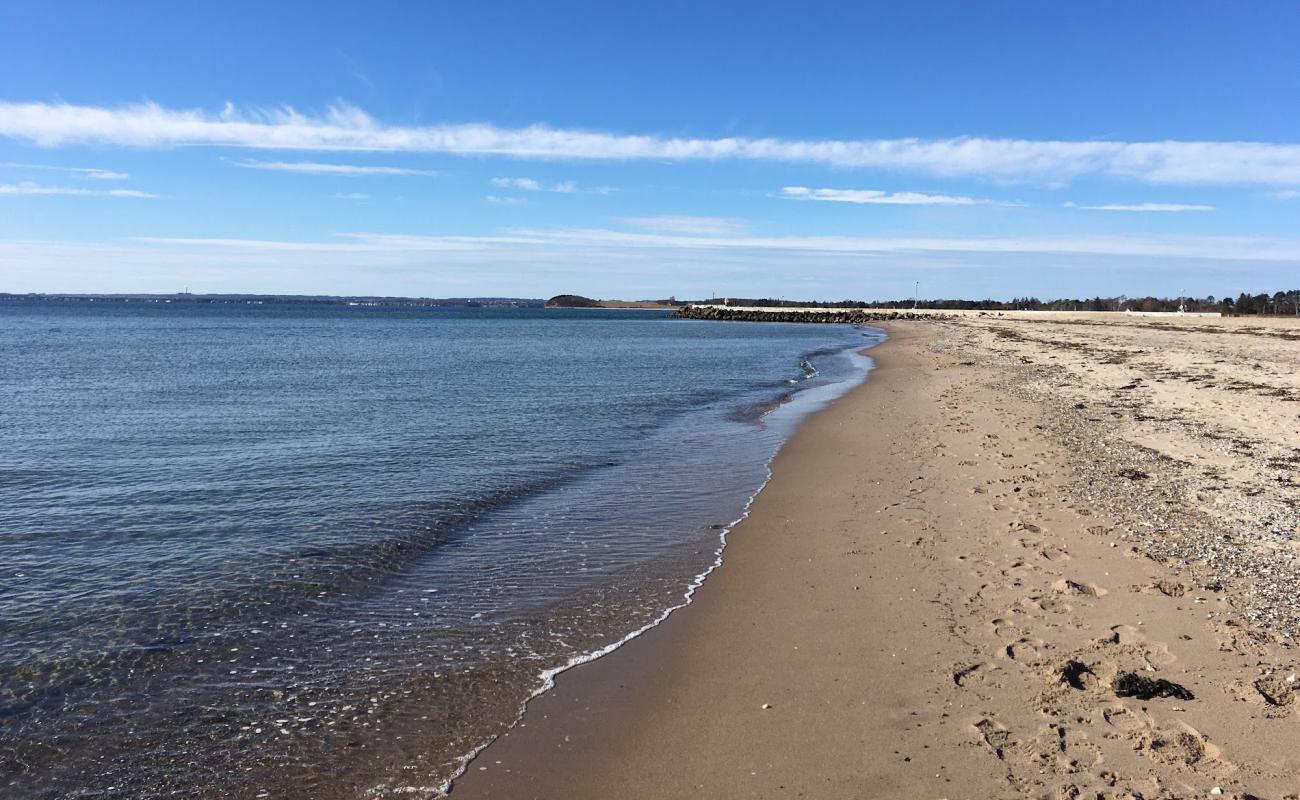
<point x="916" y="290"/>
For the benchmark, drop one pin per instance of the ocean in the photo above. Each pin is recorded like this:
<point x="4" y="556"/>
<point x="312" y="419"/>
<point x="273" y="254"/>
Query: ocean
<point x="330" y="551"/>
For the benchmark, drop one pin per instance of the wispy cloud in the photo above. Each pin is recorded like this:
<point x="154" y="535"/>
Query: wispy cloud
<point x="318" y="168"/>
<point x="877" y="197"/>
<point x="81" y="172"/>
<point x="540" y="263"/>
<point x="351" y="196"/>
<point x="1222" y="247"/>
<point x="346" y="128"/>
<point x="1156" y="207"/>
<point x="716" y="226"/>
<point x="1228" y="248"/>
<point x="1287" y="194"/>
<point x="526" y="184"/>
<point x="533" y="185"/>
<point x="28" y="187"/>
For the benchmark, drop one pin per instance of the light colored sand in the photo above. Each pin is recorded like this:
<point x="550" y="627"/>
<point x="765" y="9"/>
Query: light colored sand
<point x="934" y="552"/>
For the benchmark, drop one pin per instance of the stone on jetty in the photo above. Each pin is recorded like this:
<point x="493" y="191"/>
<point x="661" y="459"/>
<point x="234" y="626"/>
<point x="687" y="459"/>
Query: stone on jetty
<point x="850" y="316"/>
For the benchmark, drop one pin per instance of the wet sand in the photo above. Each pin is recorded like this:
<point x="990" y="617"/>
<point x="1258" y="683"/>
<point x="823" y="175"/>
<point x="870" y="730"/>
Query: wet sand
<point x="956" y="567"/>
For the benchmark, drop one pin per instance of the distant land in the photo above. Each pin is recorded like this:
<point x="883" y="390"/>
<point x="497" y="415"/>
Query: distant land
<point x="578" y="301"/>
<point x="1275" y="304"/>
<point x="1280" y="303"/>
<point x="291" y="299"/>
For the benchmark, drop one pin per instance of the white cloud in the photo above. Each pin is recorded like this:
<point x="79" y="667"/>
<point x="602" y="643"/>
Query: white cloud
<point x="532" y="185"/>
<point x="526" y="184"/>
<point x="346" y="128"/>
<point x="82" y="172"/>
<point x="538" y="263"/>
<point x="1221" y="247"/>
<point x="1228" y="248"/>
<point x="317" y="168"/>
<point x="688" y="224"/>
<point x="877" y="197"/>
<point x="28" y="187"/>
<point x="1157" y="207"/>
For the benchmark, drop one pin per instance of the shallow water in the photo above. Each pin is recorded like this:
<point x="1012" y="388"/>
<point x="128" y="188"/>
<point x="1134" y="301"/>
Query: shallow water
<point x="325" y="551"/>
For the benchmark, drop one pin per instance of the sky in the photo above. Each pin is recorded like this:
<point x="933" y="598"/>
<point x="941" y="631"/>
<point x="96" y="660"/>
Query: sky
<point x="812" y="150"/>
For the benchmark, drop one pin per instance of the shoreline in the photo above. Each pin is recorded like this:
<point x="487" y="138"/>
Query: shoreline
<point x="587" y="712"/>
<point x="894" y="616"/>
<point x="549" y="676"/>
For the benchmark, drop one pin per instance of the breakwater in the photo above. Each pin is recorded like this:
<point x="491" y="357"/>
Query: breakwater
<point x="840" y="316"/>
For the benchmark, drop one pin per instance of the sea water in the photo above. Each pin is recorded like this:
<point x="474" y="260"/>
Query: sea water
<point x="328" y="551"/>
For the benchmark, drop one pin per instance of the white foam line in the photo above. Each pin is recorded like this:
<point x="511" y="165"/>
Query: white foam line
<point x="548" y="676"/>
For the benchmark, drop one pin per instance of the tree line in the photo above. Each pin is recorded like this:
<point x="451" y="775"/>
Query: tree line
<point x="1278" y="303"/>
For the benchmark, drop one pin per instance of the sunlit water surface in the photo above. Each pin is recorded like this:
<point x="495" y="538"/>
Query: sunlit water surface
<point x="327" y="551"/>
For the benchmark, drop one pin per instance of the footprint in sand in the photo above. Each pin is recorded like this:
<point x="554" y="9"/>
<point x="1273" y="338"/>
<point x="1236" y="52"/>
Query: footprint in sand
<point x="1026" y="650"/>
<point x="1069" y="587"/>
<point x="1027" y="527"/>
<point x="1016" y="568"/>
<point x="1180" y="744"/>
<point x="1126" y="720"/>
<point x="1156" y="653"/>
<point x="1054" y="553"/>
<point x="1046" y="604"/>
<point x="994" y="734"/>
<point x="973" y="675"/>
<point x="1162" y="587"/>
<point x="1005" y="629"/>
<point x="1063" y="751"/>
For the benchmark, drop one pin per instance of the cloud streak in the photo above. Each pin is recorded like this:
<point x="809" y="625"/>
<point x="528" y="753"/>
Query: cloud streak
<point x="1227" y="248"/>
<point x="526" y="184"/>
<point x="532" y="185"/>
<point x="538" y="262"/>
<point x="346" y="128"/>
<point x="712" y="226"/>
<point x="1152" y="207"/>
<point x="31" y="188"/>
<point x="81" y="172"/>
<point x="318" y="168"/>
<point x="877" y="197"/>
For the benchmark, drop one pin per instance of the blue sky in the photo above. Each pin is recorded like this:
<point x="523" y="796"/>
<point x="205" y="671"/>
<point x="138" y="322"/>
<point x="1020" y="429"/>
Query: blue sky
<point x="814" y="150"/>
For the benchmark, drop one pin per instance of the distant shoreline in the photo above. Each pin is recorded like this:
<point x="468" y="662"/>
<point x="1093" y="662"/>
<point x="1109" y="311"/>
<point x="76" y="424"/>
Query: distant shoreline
<point x="278" y="299"/>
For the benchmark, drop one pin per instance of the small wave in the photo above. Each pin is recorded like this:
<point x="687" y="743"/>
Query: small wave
<point x="547" y="677"/>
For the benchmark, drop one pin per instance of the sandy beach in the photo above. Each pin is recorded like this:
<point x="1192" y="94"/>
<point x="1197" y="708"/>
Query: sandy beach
<point x="1049" y="557"/>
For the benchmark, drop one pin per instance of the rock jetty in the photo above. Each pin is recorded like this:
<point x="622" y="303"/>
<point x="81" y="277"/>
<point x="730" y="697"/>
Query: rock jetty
<point x="852" y="316"/>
